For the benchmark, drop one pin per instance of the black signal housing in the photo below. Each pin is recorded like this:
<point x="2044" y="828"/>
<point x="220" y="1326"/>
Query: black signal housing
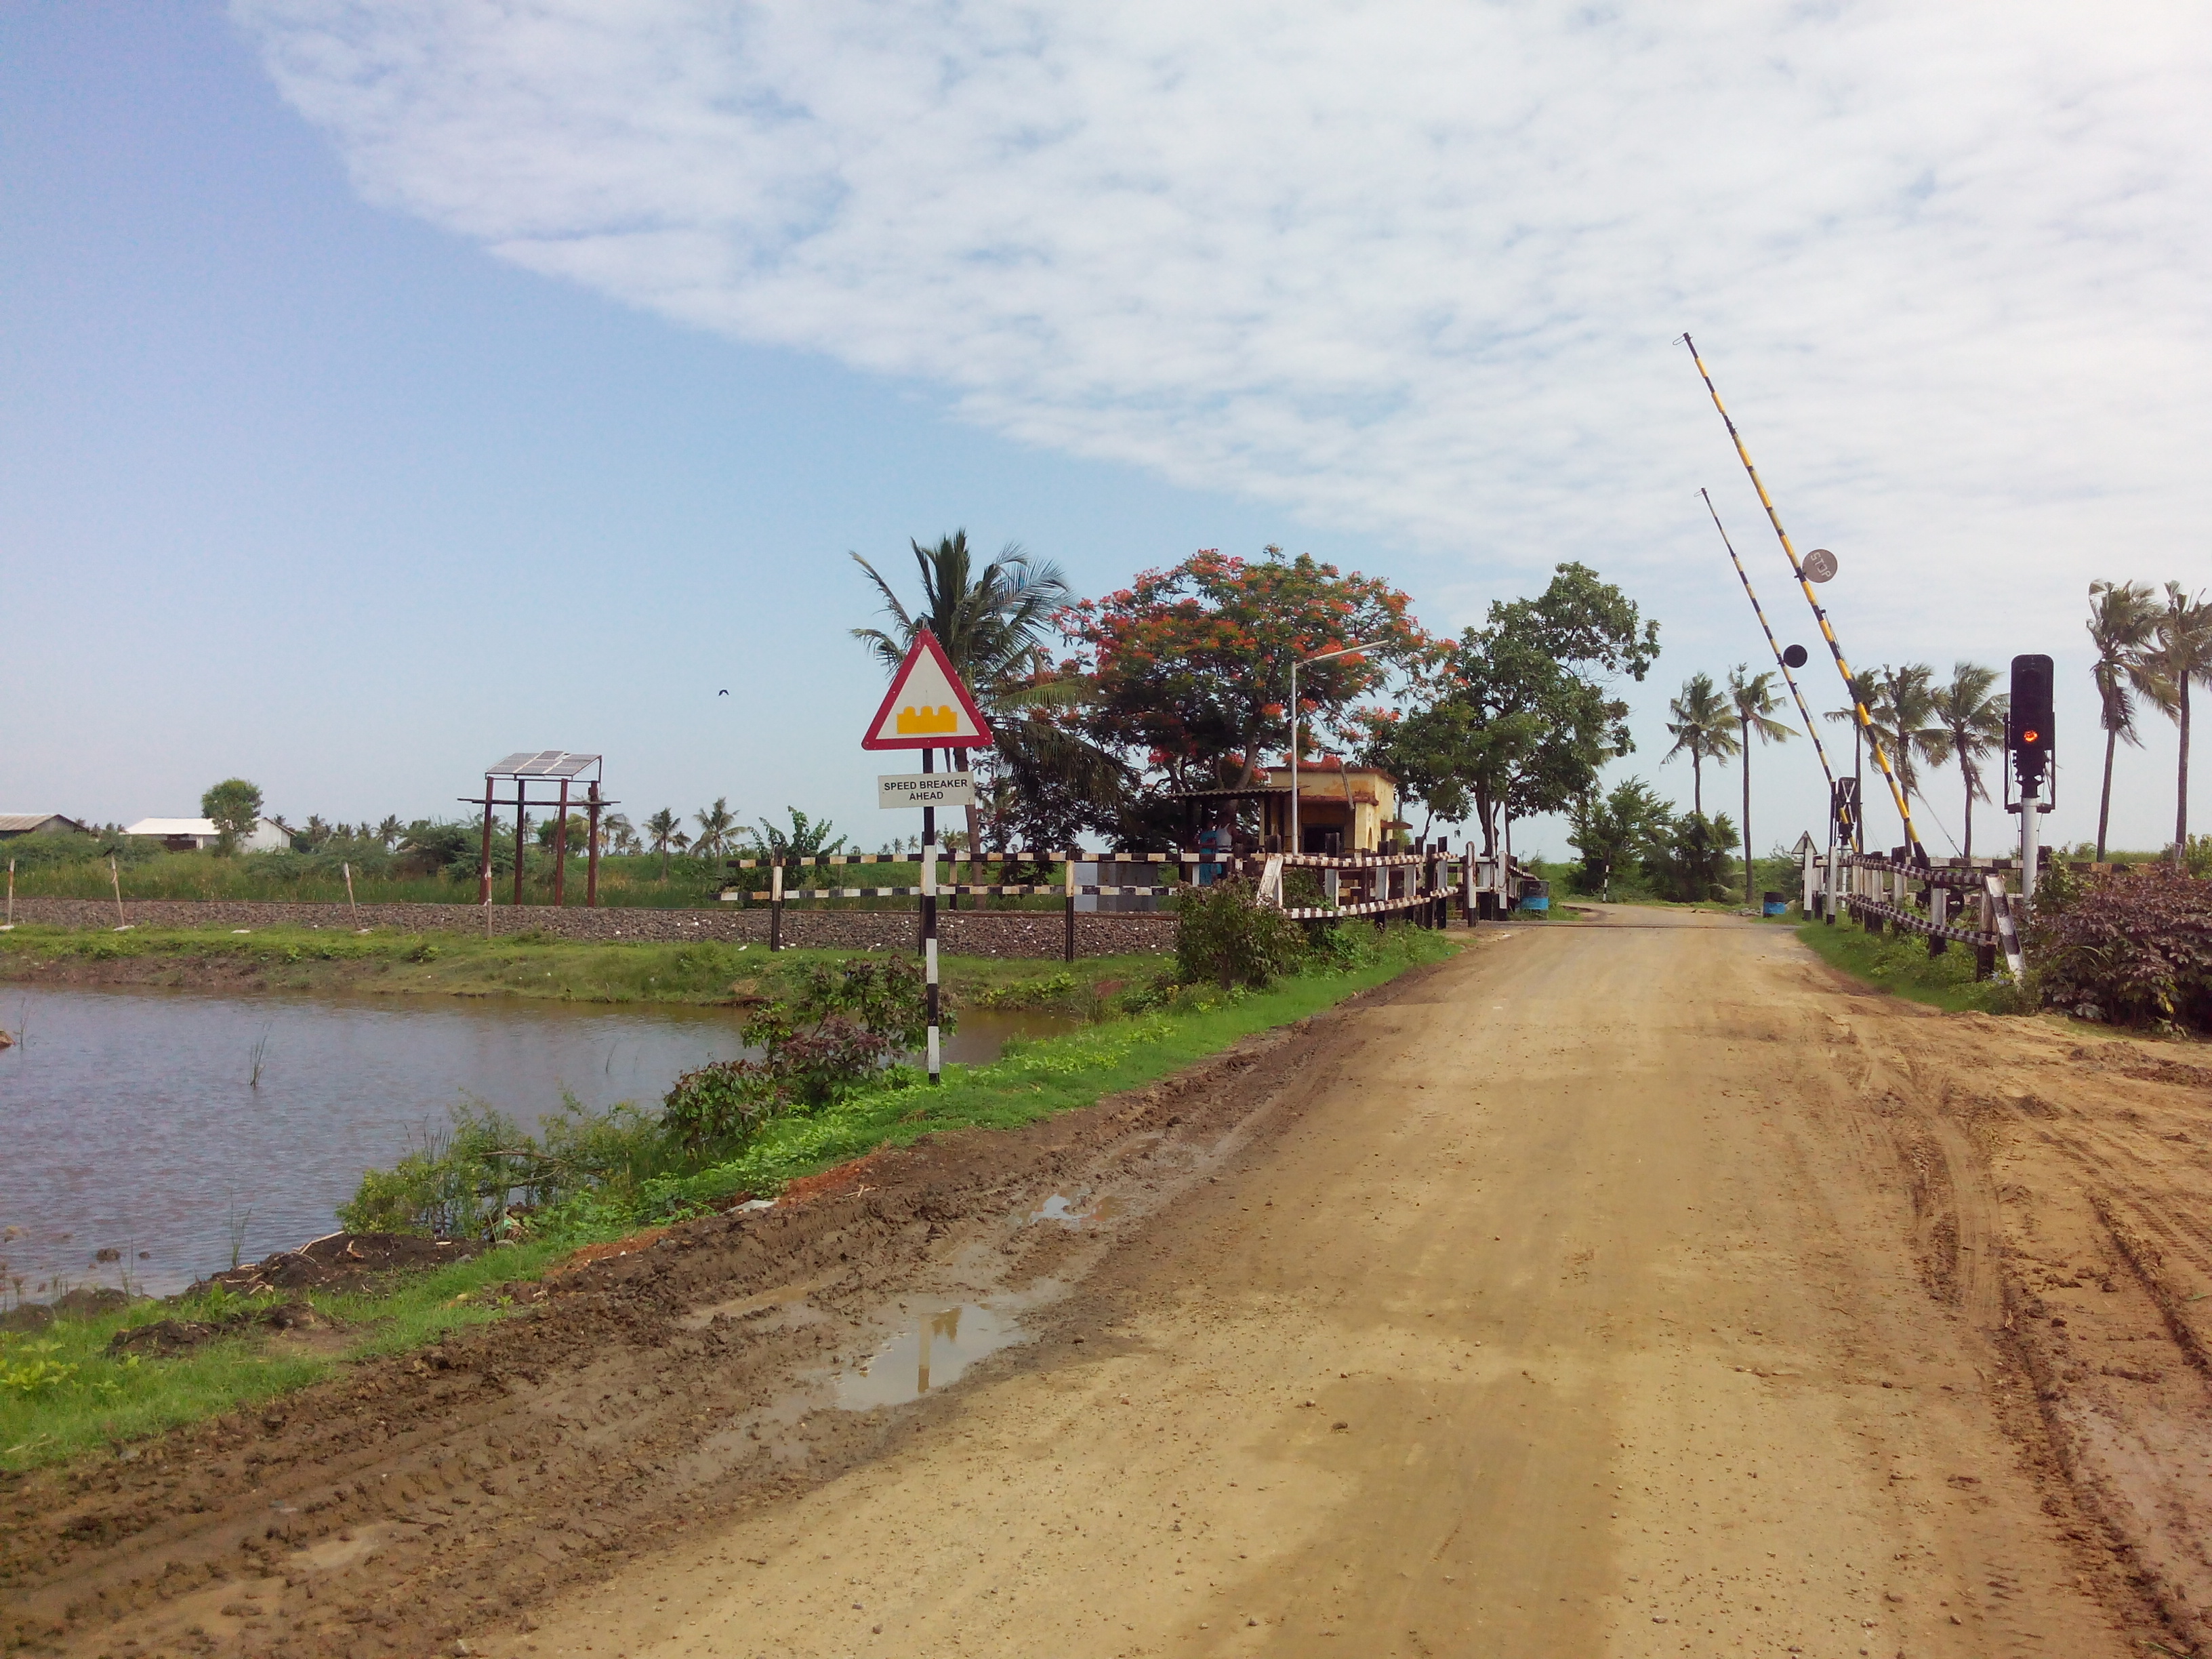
<point x="2027" y="720"/>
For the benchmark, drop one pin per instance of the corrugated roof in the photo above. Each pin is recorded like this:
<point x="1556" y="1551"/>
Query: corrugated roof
<point x="173" y="827"/>
<point x="18" y="823"/>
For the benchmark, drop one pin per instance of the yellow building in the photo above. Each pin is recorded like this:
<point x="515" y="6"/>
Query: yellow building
<point x="1341" y="809"/>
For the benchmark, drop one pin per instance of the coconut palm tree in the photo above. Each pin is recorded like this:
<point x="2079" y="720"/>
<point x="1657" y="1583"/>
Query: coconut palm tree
<point x="1971" y="713"/>
<point x="664" y="833"/>
<point x="2123" y="618"/>
<point x="715" y="822"/>
<point x="1752" y="699"/>
<point x="993" y="625"/>
<point x="1863" y="689"/>
<point x="1700" y="721"/>
<point x="2181" y="652"/>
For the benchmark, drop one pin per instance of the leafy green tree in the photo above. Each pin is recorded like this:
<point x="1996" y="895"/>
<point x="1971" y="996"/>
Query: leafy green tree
<point x="2180" y="653"/>
<point x="1431" y="751"/>
<point x="1700" y="721"/>
<point x="1190" y="666"/>
<point x="1972" y="713"/>
<point x="1612" y="832"/>
<point x="234" y="806"/>
<point x="1525" y="713"/>
<point x="1689" y="860"/>
<point x="2123" y="623"/>
<point x="805" y="839"/>
<point x="1752" y="698"/>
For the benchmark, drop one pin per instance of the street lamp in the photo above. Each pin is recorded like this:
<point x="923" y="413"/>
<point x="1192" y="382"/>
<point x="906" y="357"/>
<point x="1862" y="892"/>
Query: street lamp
<point x="1295" y="665"/>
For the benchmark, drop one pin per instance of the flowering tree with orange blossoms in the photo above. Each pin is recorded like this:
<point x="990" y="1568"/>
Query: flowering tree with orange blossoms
<point x="1190" y="666"/>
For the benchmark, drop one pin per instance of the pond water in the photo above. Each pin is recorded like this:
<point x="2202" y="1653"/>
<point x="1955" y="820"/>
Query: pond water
<point x="129" y="1120"/>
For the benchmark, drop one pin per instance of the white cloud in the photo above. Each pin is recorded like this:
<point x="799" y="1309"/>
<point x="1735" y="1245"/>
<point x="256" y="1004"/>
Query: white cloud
<point x="1407" y="269"/>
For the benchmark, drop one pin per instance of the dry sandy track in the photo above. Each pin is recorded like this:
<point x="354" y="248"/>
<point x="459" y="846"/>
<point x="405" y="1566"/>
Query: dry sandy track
<point x="1613" y="1289"/>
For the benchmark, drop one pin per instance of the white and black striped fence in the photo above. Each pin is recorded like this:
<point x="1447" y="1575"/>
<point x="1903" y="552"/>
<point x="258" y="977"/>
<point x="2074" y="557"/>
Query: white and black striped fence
<point x="1371" y="885"/>
<point x="1956" y="901"/>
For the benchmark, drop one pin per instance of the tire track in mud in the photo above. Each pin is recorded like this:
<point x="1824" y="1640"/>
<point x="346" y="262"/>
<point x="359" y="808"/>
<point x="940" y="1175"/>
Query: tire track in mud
<point x="2093" y="1196"/>
<point x="388" y="1509"/>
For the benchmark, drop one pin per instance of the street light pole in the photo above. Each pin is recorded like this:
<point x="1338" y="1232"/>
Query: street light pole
<point x="1298" y="663"/>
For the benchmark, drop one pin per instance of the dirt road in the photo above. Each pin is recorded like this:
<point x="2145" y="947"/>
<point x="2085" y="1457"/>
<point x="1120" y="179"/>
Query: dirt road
<point x="1613" y="1289"/>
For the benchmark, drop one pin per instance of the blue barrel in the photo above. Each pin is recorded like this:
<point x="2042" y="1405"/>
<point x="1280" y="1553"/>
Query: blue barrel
<point x="1775" y="904"/>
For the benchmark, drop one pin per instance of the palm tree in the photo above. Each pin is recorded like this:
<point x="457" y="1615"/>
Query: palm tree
<point x="1903" y="711"/>
<point x="1972" y="714"/>
<point x="1699" y="721"/>
<point x="1752" y="697"/>
<point x="2122" y="617"/>
<point x="993" y="625"/>
<point x="1863" y="689"/>
<point x="2181" y="652"/>
<point x="664" y="833"/>
<point x="715" y="822"/>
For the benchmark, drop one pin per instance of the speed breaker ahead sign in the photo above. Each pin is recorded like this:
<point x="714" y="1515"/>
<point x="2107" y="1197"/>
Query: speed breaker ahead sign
<point x="906" y="789"/>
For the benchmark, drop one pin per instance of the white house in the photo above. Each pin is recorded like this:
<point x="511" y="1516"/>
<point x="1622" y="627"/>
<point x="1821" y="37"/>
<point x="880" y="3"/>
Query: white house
<point x="183" y="835"/>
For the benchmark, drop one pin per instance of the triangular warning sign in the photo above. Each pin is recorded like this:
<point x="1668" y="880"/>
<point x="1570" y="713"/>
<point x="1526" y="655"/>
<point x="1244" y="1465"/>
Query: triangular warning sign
<point x="926" y="706"/>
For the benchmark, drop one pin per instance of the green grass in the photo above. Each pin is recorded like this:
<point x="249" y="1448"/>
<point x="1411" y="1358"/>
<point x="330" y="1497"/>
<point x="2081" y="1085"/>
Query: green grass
<point x="61" y="1396"/>
<point x="630" y="880"/>
<point x="1900" y="963"/>
<point x="600" y="971"/>
<point x="316" y="878"/>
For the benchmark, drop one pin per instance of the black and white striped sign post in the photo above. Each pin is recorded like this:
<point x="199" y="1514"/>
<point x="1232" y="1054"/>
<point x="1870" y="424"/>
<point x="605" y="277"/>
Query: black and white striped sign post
<point x="929" y="916"/>
<point x="928" y="708"/>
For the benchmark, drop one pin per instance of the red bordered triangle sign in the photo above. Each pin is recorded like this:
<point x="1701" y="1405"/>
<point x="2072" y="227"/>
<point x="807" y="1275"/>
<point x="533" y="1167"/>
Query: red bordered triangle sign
<point x="927" y="707"/>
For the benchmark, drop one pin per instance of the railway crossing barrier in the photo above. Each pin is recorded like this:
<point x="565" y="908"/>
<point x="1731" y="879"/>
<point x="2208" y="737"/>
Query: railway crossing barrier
<point x="1956" y="901"/>
<point x="1419" y="884"/>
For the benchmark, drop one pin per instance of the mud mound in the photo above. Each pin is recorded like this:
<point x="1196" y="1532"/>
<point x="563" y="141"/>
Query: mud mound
<point x="165" y="1339"/>
<point x="343" y="1261"/>
<point x="86" y="1302"/>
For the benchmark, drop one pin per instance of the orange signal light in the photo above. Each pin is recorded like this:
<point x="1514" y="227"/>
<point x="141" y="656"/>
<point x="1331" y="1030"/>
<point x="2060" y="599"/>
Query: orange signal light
<point x="2029" y="736"/>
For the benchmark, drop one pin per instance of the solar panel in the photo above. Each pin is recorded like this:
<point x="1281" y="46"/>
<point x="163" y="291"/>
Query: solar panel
<point x="542" y="764"/>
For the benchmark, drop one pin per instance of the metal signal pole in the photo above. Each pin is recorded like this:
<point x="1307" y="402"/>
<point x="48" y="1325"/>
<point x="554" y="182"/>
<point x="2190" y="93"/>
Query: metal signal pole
<point x="1827" y="633"/>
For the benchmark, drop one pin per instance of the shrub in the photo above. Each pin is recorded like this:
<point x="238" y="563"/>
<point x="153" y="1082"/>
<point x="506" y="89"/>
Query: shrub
<point x="2135" y="945"/>
<point x="1225" y="935"/>
<point x="1691" y="861"/>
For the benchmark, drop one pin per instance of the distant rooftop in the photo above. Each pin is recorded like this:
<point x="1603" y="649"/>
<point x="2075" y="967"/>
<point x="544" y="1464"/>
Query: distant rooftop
<point x="24" y="823"/>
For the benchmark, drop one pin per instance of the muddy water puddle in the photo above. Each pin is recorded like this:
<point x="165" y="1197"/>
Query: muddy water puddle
<point x="1081" y="1211"/>
<point x="156" y="1134"/>
<point x="938" y="1346"/>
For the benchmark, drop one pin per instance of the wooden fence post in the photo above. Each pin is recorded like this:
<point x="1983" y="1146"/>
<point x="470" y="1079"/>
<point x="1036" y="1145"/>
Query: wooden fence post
<point x="1068" y="882"/>
<point x="775" y="904"/>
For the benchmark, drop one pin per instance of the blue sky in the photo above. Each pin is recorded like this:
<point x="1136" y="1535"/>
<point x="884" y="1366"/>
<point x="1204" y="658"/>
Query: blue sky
<point x="391" y="387"/>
